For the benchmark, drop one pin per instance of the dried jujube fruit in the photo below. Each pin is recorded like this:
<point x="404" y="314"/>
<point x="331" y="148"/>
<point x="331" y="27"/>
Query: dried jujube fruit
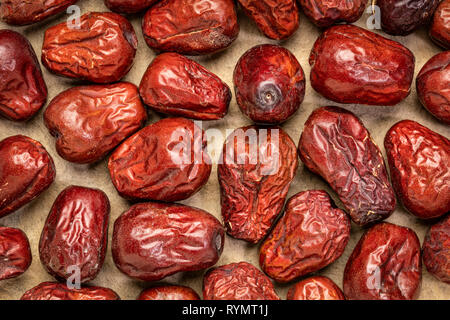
<point x="440" y="25"/>
<point x="60" y="291"/>
<point x="15" y="253"/>
<point x="315" y="288"/>
<point x="169" y="292"/>
<point x="129" y="6"/>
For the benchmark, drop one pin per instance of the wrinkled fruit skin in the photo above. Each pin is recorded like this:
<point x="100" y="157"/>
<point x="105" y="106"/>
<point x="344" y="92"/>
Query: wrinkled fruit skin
<point x="22" y="88"/>
<point x="385" y="265"/>
<point x="326" y="13"/>
<point x="90" y="121"/>
<point x="155" y="163"/>
<point x="336" y="145"/>
<point x="440" y="25"/>
<point x="176" y="85"/>
<point x="101" y="51"/>
<point x="20" y="12"/>
<point x="169" y="293"/>
<point x="352" y="65"/>
<point x="436" y="250"/>
<point x="191" y="27"/>
<point x="275" y="19"/>
<point x="15" y="253"/>
<point x="433" y="86"/>
<point x="154" y="240"/>
<point x="237" y="281"/>
<point x="312" y="234"/>
<point x="27" y="170"/>
<point x="419" y="163"/>
<point x="75" y="233"/>
<point x="129" y="6"/>
<point x="269" y="84"/>
<point x="315" y="288"/>
<point x="403" y="17"/>
<point x="253" y="189"/>
<point x="59" y="291"/>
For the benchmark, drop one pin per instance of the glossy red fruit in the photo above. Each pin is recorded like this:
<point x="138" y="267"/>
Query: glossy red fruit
<point x="258" y="166"/>
<point x="27" y="170"/>
<point x="165" y="161"/>
<point x="440" y="25"/>
<point x="269" y="84"/>
<point x="101" y="50"/>
<point x="353" y="65"/>
<point x="237" y="281"/>
<point x="419" y="163"/>
<point x="385" y="265"/>
<point x="336" y="145"/>
<point x="191" y="27"/>
<point x="154" y="240"/>
<point x="129" y="6"/>
<point x="326" y="13"/>
<point x="169" y="293"/>
<point x="22" y="88"/>
<point x="90" y="121"/>
<point x="15" y="253"/>
<point x="275" y="19"/>
<point x="433" y="86"/>
<point x="59" y="291"/>
<point x="20" y="12"/>
<point x="436" y="250"/>
<point x="75" y="234"/>
<point x="315" y="288"/>
<point x="176" y="85"/>
<point x="312" y="234"/>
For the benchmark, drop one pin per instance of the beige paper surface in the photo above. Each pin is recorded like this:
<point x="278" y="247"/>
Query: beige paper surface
<point x="377" y="119"/>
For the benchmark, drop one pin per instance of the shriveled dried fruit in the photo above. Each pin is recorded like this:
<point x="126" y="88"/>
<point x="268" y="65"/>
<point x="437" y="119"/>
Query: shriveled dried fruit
<point x="385" y="265"/>
<point x="90" y="121"/>
<point x="169" y="293"/>
<point x="154" y="240"/>
<point x="315" y="288"/>
<point x="353" y="65"/>
<point x="326" y="13"/>
<point x="15" y="253"/>
<point x="237" y="281"/>
<point x="129" y="6"/>
<point x="101" y="50"/>
<point x="27" y="170"/>
<point x="336" y="145"/>
<point x="419" y="162"/>
<point x="176" y="85"/>
<point x="257" y="168"/>
<point x="60" y="291"/>
<point x="312" y="234"/>
<point x="22" y="88"/>
<point x="191" y="27"/>
<point x="440" y="25"/>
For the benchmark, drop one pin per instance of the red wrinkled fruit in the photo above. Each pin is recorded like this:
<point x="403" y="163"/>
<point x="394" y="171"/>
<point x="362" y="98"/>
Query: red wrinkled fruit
<point x="22" y="88"/>
<point x="191" y="27"/>
<point x="440" y="25"/>
<point x="436" y="250"/>
<point x="385" y="265"/>
<point x="90" y="121"/>
<point x="15" y="253"/>
<point x="335" y="145"/>
<point x="59" y="291"/>
<point x="315" y="288"/>
<point x="433" y="86"/>
<point x="129" y="6"/>
<point x="27" y="170"/>
<point x="165" y="161"/>
<point x="75" y="234"/>
<point x="312" y="234"/>
<point x="258" y="165"/>
<point x="176" y="85"/>
<point x="419" y="163"/>
<point x="169" y="293"/>
<point x="352" y="65"/>
<point x="326" y="13"/>
<point x="275" y="19"/>
<point x="20" y="12"/>
<point x="101" y="50"/>
<point x="154" y="240"/>
<point x="269" y="84"/>
<point x="237" y="281"/>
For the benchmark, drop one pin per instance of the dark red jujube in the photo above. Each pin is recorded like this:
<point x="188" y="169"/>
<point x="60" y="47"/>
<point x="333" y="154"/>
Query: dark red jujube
<point x="315" y="288"/>
<point x="169" y="293"/>
<point x="15" y="253"/>
<point x="60" y="291"/>
<point x="129" y="6"/>
<point x="440" y="25"/>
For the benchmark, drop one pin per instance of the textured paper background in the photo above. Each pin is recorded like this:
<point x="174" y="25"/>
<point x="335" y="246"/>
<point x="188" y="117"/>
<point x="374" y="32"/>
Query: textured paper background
<point x="377" y="119"/>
